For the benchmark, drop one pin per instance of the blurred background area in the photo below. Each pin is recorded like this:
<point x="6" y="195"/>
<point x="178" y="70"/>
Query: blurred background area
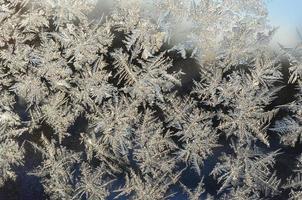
<point x="284" y="14"/>
<point x="287" y="15"/>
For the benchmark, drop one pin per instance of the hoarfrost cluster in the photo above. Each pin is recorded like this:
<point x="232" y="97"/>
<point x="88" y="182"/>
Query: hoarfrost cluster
<point x="128" y="103"/>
